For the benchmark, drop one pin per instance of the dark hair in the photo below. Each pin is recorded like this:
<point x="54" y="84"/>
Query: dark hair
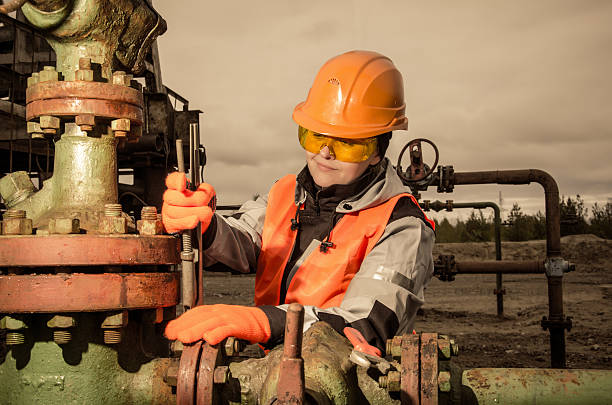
<point x="383" y="143"/>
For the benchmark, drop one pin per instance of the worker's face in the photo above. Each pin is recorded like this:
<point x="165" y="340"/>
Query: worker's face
<point x="327" y="171"/>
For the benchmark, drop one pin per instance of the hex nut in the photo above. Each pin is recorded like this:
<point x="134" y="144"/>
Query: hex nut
<point x="391" y="381"/>
<point x="121" y="124"/>
<point x="116" y="320"/>
<point x="11" y="323"/>
<point x="110" y="225"/>
<point x="394" y="347"/>
<point x="34" y="128"/>
<point x="61" y="321"/>
<point x="444" y="348"/>
<point x="119" y="78"/>
<point x="17" y="226"/>
<point x="32" y="80"/>
<point x="444" y="383"/>
<point x="221" y="374"/>
<point x="85" y="121"/>
<point x="150" y="227"/>
<point x="171" y="375"/>
<point x="49" y="124"/>
<point x="64" y="226"/>
<point x="48" y="74"/>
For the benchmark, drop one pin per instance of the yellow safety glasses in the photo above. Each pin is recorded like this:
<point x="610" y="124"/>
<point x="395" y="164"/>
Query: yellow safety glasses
<point x="346" y="150"/>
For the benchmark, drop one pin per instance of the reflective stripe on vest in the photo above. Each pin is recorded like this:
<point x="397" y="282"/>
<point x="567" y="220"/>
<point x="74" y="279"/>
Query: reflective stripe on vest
<point x="323" y="277"/>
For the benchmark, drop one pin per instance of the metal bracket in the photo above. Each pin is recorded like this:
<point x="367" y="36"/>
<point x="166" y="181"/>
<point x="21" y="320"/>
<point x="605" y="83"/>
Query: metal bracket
<point x="445" y="268"/>
<point x="446" y="179"/>
<point x="557" y="266"/>
<point x="556" y="323"/>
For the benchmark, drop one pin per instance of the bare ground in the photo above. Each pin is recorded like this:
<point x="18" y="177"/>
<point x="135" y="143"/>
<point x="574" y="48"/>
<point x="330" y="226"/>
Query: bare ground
<point x="466" y="308"/>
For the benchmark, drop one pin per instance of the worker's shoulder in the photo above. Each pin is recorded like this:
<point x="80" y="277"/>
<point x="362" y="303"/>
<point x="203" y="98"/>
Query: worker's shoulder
<point x="406" y="207"/>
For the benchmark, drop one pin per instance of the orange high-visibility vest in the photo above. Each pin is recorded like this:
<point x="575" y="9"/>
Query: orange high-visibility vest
<point x="323" y="277"/>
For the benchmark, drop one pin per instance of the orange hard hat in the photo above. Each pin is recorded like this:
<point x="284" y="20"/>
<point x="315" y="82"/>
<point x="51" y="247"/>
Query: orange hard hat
<point x="358" y="94"/>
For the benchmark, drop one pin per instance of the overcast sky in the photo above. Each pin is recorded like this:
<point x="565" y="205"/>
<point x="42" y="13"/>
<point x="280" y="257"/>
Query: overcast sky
<point x="495" y="84"/>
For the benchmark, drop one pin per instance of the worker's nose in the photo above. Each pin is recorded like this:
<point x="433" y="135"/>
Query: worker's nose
<point x="326" y="153"/>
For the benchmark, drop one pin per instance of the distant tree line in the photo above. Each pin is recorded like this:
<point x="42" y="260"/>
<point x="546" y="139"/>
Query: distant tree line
<point x="518" y="226"/>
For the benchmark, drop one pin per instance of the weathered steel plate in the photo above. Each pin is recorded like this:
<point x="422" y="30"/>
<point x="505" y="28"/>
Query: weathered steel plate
<point x="88" y="250"/>
<point x="52" y="293"/>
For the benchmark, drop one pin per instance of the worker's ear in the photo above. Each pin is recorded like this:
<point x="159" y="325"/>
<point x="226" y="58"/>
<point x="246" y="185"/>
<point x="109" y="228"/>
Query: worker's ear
<point x="375" y="159"/>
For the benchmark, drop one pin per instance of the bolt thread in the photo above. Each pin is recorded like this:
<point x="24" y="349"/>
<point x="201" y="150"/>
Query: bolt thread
<point x="14" y="338"/>
<point x="383" y="381"/>
<point x="112" y="336"/>
<point x="50" y="68"/>
<point x="187" y="243"/>
<point x="149" y="213"/>
<point x="389" y="345"/>
<point x="112" y="210"/>
<point x="61" y="337"/>
<point x="15" y="214"/>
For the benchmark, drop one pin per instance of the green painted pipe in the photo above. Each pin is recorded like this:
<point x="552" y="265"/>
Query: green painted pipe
<point x="536" y="386"/>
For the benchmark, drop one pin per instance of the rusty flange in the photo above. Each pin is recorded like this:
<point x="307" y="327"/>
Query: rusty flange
<point x="52" y="293"/>
<point x="196" y="376"/>
<point x="419" y="374"/>
<point x="212" y="356"/>
<point x="88" y="250"/>
<point x="187" y="374"/>
<point x="72" y="98"/>
<point x="410" y="375"/>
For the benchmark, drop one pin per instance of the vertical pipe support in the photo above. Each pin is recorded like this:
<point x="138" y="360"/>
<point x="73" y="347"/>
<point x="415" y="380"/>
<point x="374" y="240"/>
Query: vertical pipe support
<point x="556" y="322"/>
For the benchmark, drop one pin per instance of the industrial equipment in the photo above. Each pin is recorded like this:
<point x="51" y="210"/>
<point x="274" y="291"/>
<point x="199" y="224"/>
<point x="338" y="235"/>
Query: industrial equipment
<point x="88" y="278"/>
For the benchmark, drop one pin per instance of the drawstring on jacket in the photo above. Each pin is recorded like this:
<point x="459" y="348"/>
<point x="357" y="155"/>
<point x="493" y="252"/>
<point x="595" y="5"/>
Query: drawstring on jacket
<point x="327" y="243"/>
<point x="295" y="223"/>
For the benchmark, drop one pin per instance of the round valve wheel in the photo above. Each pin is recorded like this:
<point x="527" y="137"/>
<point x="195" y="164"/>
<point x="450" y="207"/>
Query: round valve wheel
<point x="417" y="170"/>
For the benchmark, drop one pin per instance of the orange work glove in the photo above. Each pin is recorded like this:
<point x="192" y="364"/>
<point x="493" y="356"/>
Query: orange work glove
<point x="185" y="209"/>
<point x="213" y="323"/>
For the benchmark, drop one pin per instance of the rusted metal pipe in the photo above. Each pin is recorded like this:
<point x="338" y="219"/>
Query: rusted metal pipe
<point x="504" y="267"/>
<point x="449" y="205"/>
<point x="551" y="195"/>
<point x="290" y="388"/>
<point x="556" y="322"/>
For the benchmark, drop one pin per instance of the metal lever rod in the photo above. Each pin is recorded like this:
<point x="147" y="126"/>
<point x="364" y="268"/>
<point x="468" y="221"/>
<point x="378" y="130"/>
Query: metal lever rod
<point x="187" y="254"/>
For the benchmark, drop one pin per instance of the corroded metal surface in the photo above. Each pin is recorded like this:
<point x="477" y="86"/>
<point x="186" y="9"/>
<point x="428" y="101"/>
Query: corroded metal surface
<point x="88" y="250"/>
<point x="78" y="98"/>
<point x="84" y="179"/>
<point x="113" y="33"/>
<point x="290" y="387"/>
<point x="83" y="90"/>
<point x="429" y="369"/>
<point x="187" y="374"/>
<point x="535" y="386"/>
<point x="47" y="293"/>
<point x="410" y="377"/>
<point x="212" y="356"/>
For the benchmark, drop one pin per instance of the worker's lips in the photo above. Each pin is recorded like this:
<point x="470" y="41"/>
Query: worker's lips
<point x="324" y="168"/>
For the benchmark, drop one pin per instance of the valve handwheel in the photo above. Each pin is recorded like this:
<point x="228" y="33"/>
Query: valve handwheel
<point x="417" y="170"/>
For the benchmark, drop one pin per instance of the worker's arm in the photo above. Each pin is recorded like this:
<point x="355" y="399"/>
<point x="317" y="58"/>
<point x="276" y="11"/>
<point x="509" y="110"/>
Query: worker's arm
<point x="236" y="240"/>
<point x="383" y="297"/>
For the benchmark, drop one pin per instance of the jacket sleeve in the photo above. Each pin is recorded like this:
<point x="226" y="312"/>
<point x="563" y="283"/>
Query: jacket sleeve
<point x="383" y="297"/>
<point x="236" y="241"/>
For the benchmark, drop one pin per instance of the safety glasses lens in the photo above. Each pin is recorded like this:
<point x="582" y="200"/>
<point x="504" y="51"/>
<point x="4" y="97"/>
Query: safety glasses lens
<point x="346" y="150"/>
